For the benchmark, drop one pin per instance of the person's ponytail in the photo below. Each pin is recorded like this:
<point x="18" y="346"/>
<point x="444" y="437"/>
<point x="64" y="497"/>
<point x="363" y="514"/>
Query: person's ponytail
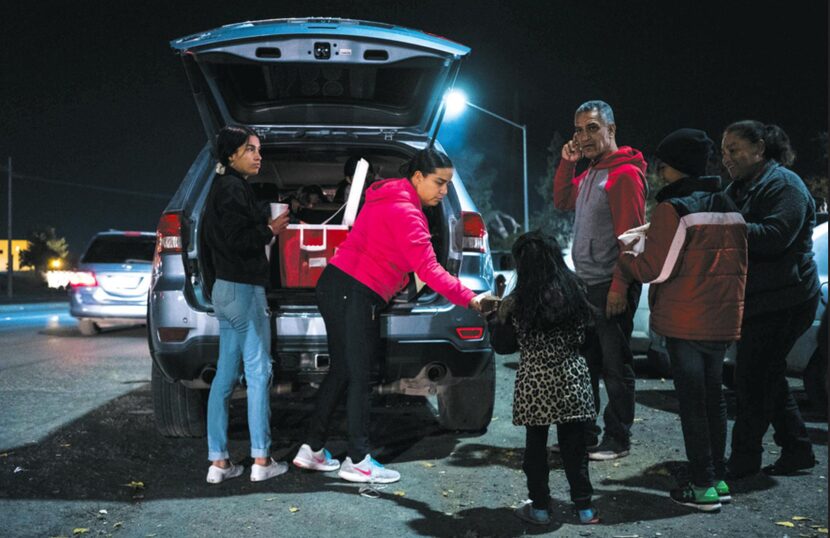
<point x="777" y="145"/>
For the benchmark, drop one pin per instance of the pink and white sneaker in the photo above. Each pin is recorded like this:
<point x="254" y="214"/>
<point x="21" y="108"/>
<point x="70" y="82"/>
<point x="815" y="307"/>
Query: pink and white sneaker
<point x="315" y="461"/>
<point x="367" y="470"/>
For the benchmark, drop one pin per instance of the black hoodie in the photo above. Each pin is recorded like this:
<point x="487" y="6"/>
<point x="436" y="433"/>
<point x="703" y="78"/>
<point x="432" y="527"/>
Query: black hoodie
<point x="235" y="227"/>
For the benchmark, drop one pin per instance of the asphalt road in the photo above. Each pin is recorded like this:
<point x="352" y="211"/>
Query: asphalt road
<point x="79" y="450"/>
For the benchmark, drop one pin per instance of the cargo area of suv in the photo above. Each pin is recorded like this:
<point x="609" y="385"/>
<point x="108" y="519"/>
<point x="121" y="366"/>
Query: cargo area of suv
<point x="315" y="105"/>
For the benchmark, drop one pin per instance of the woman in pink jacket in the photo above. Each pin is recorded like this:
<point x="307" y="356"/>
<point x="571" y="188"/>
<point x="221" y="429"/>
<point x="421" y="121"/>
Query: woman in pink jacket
<point x="390" y="239"/>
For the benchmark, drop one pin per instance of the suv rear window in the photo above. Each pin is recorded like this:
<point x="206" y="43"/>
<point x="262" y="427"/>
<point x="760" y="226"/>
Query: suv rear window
<point x="120" y="249"/>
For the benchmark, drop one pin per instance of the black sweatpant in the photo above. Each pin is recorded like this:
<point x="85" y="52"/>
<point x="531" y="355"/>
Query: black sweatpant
<point x="763" y="394"/>
<point x="574" y="457"/>
<point x="350" y="311"/>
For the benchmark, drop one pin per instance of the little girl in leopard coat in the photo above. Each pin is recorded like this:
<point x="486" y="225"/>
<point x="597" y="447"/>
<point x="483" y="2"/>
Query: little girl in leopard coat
<point x="544" y="319"/>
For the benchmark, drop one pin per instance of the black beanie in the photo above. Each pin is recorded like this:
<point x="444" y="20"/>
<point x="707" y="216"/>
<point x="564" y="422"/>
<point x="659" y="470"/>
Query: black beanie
<point x="686" y="150"/>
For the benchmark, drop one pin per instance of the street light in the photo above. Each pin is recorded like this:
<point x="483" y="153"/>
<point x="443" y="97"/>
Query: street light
<point x="455" y="101"/>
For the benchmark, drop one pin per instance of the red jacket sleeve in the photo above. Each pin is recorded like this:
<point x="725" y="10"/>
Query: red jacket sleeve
<point x="417" y="250"/>
<point x="627" y="199"/>
<point x="660" y="258"/>
<point x="565" y="186"/>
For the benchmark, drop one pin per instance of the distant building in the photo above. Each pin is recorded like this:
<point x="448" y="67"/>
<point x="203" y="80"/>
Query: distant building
<point x="17" y="246"/>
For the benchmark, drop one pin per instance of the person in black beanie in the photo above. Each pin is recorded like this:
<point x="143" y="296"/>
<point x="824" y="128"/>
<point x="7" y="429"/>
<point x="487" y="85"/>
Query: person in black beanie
<point x="695" y="257"/>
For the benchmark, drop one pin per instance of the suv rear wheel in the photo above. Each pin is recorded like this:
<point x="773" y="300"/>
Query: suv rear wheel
<point x="468" y="405"/>
<point x="179" y="411"/>
<point x="88" y="327"/>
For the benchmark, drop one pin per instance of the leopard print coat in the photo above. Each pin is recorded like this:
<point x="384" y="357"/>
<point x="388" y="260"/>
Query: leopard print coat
<point x="553" y="384"/>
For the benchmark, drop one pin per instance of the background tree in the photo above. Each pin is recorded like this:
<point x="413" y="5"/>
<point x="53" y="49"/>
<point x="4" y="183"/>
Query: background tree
<point x="44" y="245"/>
<point x="550" y="220"/>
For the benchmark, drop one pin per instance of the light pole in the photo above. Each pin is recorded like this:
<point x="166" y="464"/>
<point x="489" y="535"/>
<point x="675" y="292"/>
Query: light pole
<point x="455" y="101"/>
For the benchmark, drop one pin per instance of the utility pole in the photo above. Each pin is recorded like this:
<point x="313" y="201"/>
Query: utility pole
<point x="10" y="255"/>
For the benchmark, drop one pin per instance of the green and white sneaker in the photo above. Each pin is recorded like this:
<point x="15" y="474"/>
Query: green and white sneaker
<point x="724" y="495"/>
<point x="703" y="499"/>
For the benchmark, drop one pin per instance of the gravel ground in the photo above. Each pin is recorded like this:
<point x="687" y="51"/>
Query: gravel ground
<point x="109" y="473"/>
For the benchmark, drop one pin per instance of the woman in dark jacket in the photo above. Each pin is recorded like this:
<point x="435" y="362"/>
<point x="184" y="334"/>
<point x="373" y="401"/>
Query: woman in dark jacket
<point x="237" y="228"/>
<point x="782" y="292"/>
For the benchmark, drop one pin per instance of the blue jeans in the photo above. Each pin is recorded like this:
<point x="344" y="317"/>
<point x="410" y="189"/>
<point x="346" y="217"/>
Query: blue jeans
<point x="697" y="367"/>
<point x="244" y="341"/>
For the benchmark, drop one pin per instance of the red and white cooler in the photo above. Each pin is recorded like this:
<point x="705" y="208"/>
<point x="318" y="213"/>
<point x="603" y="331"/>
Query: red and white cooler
<point x="305" y="249"/>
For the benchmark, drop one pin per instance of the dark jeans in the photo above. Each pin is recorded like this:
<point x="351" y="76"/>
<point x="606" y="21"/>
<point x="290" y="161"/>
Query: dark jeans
<point x="697" y="367"/>
<point x="574" y="458"/>
<point x="349" y="310"/>
<point x="609" y="357"/>
<point x="762" y="391"/>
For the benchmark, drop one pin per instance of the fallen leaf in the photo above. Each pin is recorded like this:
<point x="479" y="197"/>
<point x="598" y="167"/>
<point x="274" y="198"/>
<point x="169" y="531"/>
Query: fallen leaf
<point x="19" y="469"/>
<point x="445" y="493"/>
<point x="65" y="445"/>
<point x="293" y="509"/>
<point x="102" y="511"/>
<point x="80" y="530"/>
<point x="117" y="524"/>
<point x="399" y="493"/>
<point x="5" y="454"/>
<point x="617" y="464"/>
<point x="427" y="464"/>
<point x="801" y="518"/>
<point x="136" y="485"/>
<point x="638" y="420"/>
<point x="822" y="530"/>
<point x="785" y="524"/>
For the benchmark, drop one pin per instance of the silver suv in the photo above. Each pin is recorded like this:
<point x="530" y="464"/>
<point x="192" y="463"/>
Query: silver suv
<point x="319" y="91"/>
<point x="111" y="282"/>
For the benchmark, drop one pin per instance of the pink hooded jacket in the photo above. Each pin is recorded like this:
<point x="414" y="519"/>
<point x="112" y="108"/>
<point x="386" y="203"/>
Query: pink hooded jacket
<point x="390" y="239"/>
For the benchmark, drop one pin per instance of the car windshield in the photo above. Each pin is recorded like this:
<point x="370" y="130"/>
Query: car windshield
<point x="120" y="249"/>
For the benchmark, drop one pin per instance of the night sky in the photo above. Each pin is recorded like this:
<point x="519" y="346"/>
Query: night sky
<point x="92" y="94"/>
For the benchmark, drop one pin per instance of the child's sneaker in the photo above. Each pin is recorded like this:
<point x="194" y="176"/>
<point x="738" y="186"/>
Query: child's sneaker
<point x="526" y="512"/>
<point x="588" y="516"/>
<point x="367" y="470"/>
<point x="217" y="475"/>
<point x="264" y="472"/>
<point x="723" y="492"/>
<point x="703" y="499"/>
<point x="315" y="461"/>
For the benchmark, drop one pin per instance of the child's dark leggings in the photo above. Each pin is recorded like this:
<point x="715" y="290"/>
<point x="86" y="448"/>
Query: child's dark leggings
<point x="574" y="457"/>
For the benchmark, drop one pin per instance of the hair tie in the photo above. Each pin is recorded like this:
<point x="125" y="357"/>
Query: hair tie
<point x="220" y="169"/>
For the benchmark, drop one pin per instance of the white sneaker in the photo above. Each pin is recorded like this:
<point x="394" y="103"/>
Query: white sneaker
<point x="315" y="461"/>
<point x="218" y="474"/>
<point x="264" y="472"/>
<point x="367" y="470"/>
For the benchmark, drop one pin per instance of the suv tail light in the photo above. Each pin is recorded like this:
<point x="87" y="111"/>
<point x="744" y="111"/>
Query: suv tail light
<point x="470" y="333"/>
<point x="169" y="234"/>
<point x="83" y="279"/>
<point x="475" y="233"/>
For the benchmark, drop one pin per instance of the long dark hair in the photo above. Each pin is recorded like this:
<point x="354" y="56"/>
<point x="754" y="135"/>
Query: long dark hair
<point x="547" y="292"/>
<point x="776" y="142"/>
<point x="426" y="161"/>
<point x="229" y="139"/>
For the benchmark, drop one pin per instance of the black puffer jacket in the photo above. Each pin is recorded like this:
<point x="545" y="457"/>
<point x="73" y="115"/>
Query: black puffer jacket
<point x="235" y="232"/>
<point x="780" y="215"/>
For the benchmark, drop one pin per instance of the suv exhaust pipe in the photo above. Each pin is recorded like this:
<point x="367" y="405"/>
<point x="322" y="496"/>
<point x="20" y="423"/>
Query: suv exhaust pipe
<point x="426" y="383"/>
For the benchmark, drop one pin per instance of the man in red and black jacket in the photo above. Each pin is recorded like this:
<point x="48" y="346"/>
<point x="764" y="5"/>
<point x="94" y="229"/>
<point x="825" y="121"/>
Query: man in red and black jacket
<point x="695" y="259"/>
<point x="609" y="198"/>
